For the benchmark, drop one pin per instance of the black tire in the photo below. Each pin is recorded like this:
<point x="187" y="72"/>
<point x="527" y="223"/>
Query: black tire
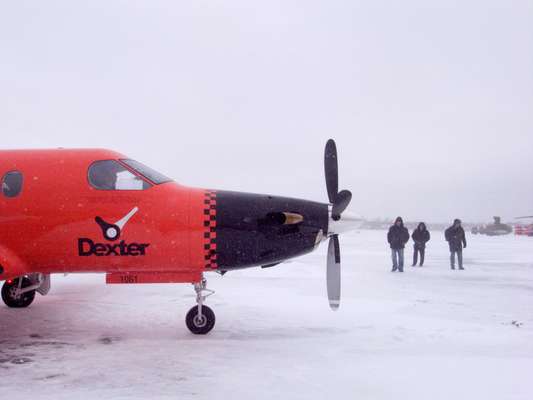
<point x="203" y="326"/>
<point x="21" y="301"/>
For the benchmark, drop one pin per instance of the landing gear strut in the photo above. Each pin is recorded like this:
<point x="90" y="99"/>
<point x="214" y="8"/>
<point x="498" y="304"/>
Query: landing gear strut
<point x="201" y="319"/>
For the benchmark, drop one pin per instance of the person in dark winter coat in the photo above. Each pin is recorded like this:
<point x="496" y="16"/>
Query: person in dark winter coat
<point x="420" y="236"/>
<point x="455" y="236"/>
<point x="397" y="237"/>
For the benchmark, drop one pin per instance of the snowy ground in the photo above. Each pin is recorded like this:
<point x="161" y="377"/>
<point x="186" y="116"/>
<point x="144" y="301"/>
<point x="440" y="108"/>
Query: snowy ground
<point x="429" y="333"/>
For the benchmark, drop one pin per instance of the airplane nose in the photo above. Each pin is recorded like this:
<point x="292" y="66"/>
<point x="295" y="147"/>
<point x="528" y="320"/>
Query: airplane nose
<point x="255" y="229"/>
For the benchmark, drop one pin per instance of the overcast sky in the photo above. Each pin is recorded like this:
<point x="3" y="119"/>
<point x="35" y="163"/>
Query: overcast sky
<point x="430" y="102"/>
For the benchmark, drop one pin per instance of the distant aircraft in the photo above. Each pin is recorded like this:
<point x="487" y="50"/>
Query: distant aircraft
<point x="525" y="230"/>
<point x="93" y="210"/>
<point x="495" y="229"/>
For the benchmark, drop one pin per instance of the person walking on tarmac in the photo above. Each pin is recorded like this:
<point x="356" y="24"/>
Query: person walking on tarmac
<point x="455" y="236"/>
<point x="397" y="237"/>
<point x="420" y="236"/>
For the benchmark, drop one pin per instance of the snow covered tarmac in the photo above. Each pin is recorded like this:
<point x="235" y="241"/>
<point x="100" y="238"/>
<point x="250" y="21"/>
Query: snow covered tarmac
<point x="427" y="333"/>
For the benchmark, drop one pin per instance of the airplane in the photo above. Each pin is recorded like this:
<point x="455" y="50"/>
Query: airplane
<point x="98" y="211"/>
<point x="495" y="229"/>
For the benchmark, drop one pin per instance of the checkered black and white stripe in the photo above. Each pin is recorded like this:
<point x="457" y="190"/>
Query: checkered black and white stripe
<point x="210" y="225"/>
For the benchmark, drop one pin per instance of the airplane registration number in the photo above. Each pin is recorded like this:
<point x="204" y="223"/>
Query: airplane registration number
<point x="129" y="279"/>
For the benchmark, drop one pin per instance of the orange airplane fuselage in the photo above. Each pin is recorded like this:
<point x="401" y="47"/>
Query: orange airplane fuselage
<point x="50" y="226"/>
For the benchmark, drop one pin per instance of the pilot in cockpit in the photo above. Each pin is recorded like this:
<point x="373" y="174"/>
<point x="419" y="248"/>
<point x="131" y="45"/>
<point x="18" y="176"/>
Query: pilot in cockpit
<point x="110" y="175"/>
<point x="104" y="175"/>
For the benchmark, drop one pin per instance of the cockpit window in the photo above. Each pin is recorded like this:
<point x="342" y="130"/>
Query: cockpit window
<point x="12" y="184"/>
<point x="147" y="172"/>
<point x="111" y="175"/>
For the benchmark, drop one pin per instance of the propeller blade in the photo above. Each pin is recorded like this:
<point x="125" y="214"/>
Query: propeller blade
<point x="331" y="170"/>
<point x="341" y="202"/>
<point x="334" y="273"/>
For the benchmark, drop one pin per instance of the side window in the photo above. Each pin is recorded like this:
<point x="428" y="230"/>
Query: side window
<point x="111" y="175"/>
<point x="12" y="184"/>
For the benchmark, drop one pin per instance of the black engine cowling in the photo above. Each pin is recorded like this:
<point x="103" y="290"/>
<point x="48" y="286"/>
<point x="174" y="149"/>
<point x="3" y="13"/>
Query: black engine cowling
<point x="255" y="229"/>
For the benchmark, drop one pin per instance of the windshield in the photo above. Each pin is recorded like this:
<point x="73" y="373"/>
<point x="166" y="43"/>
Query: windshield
<point x="147" y="172"/>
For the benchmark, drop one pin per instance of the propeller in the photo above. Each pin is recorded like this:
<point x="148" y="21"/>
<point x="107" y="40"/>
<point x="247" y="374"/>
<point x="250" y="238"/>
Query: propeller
<point x="334" y="273"/>
<point x="339" y="202"/>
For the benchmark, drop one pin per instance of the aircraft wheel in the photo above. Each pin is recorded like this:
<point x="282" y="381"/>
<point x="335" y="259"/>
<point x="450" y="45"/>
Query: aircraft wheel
<point x="11" y="299"/>
<point x="200" y="324"/>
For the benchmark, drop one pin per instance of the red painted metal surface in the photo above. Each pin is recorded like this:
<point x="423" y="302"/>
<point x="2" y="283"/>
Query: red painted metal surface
<point x="40" y="230"/>
<point x="152" y="277"/>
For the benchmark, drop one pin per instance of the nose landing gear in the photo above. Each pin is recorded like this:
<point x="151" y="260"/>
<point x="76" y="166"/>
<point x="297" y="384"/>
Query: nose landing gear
<point x="201" y="319"/>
